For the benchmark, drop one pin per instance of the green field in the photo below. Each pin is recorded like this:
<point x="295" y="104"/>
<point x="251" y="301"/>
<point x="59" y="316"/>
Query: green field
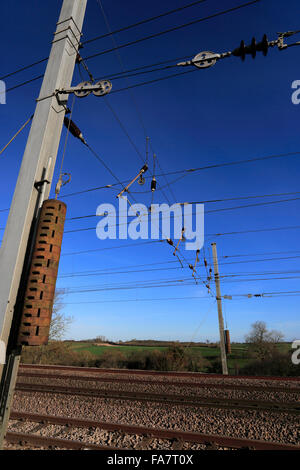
<point x="99" y="350"/>
<point x="236" y="360"/>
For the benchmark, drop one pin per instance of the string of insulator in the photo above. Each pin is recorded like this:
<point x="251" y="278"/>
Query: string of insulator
<point x="73" y="129"/>
<point x="153" y="184"/>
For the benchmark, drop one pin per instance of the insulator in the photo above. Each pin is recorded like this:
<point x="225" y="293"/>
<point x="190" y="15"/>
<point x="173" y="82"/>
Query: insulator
<point x="40" y="288"/>
<point x="170" y="242"/>
<point x="263" y="46"/>
<point x="144" y="168"/>
<point x="153" y="184"/>
<point x="240" y="51"/>
<point x="251" y="49"/>
<point x="205" y="262"/>
<point x="74" y="130"/>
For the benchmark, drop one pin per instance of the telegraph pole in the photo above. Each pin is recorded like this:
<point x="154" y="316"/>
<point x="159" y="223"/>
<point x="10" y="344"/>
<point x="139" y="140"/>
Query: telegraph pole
<point x="33" y="186"/>
<point x="220" y="314"/>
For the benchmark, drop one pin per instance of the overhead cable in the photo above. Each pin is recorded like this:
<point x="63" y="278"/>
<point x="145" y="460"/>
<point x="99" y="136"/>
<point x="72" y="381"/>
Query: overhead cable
<point x="174" y="28"/>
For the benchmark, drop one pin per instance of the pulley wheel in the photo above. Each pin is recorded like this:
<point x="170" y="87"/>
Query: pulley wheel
<point x="82" y="93"/>
<point x="203" y="60"/>
<point x="105" y="87"/>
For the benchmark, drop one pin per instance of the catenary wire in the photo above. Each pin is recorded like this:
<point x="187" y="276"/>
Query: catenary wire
<point x="273" y="229"/>
<point x="224" y="276"/>
<point x="26" y="67"/>
<point x="114" y="91"/>
<point x="174" y="28"/>
<point x="23" y="68"/>
<point x="139" y="23"/>
<point x="115" y="75"/>
<point x="112" y="269"/>
<point x="125" y="28"/>
<point x="138" y="300"/>
<point x="283" y="294"/>
<point x="206" y="212"/>
<point x="193" y="170"/>
<point x="128" y="245"/>
<point x="139" y="116"/>
<point x="133" y="287"/>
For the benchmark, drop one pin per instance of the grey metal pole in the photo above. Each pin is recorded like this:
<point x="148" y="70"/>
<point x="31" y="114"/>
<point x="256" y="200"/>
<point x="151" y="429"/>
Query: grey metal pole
<point x="39" y="157"/>
<point x="220" y="314"/>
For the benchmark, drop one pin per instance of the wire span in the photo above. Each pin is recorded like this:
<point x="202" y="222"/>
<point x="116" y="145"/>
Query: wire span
<point x="147" y="20"/>
<point x="194" y="170"/>
<point x="175" y="28"/>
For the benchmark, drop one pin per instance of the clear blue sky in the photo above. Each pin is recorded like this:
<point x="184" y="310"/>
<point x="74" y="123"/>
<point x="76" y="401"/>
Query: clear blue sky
<point x="232" y="111"/>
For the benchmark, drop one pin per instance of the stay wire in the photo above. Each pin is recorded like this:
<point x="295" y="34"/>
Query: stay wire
<point x="15" y="135"/>
<point x="66" y="138"/>
<point x="123" y="129"/>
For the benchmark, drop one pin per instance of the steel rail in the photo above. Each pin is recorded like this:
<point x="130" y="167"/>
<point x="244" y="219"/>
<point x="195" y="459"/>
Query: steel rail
<point x="41" y="441"/>
<point x="179" y="436"/>
<point x="152" y="372"/>
<point x="207" y="402"/>
<point x="122" y="380"/>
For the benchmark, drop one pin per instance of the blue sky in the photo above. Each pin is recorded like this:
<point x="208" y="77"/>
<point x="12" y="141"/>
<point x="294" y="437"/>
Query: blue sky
<point x="233" y="111"/>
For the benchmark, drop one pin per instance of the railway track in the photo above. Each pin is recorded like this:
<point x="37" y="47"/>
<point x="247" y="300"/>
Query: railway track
<point x="195" y="401"/>
<point x="158" y="373"/>
<point x="24" y="439"/>
<point x="198" y="385"/>
<point x="177" y="438"/>
<point x="86" y="382"/>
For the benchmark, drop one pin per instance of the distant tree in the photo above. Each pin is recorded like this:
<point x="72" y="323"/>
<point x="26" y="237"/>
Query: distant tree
<point x="59" y="322"/>
<point x="262" y="342"/>
<point x="101" y="339"/>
